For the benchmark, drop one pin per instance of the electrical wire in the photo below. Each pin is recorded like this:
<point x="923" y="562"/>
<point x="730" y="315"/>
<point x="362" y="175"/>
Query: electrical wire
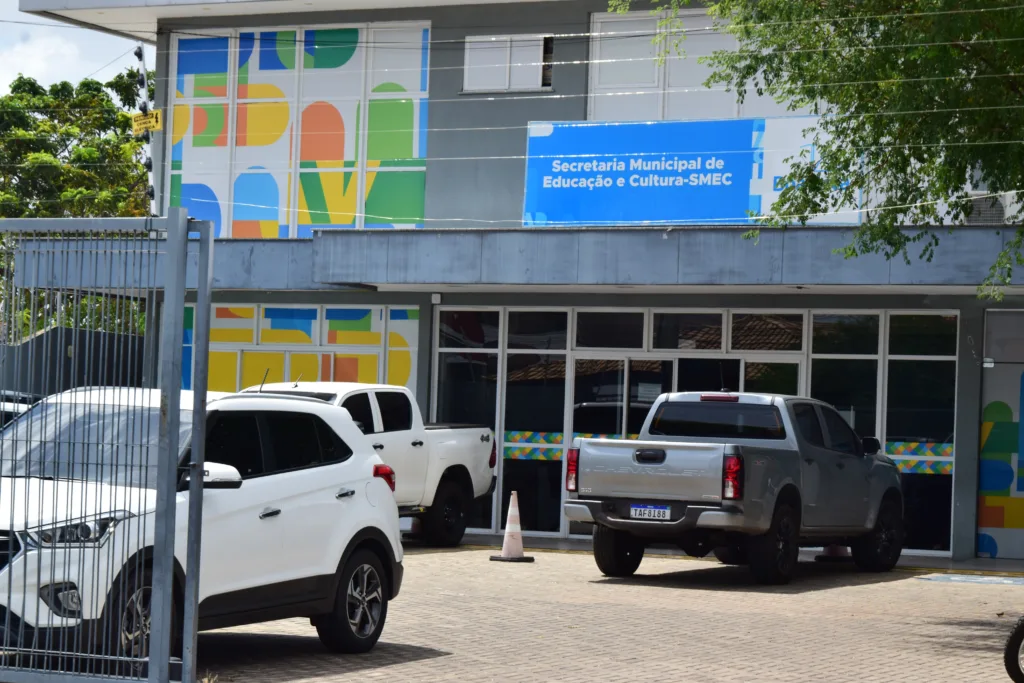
<point x="588" y="34"/>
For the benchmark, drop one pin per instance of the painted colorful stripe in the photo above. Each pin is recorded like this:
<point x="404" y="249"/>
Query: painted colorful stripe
<point x="534" y="437"/>
<point x="909" y="466"/>
<point x="526" y="453"/>
<point x="919" y="449"/>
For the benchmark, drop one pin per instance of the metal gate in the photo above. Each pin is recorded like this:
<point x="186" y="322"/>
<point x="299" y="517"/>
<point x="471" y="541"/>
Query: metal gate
<point x="95" y="581"/>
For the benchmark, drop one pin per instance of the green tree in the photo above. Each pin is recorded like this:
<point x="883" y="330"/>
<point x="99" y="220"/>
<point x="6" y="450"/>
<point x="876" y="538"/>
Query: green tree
<point x="68" y="151"/>
<point x="921" y="101"/>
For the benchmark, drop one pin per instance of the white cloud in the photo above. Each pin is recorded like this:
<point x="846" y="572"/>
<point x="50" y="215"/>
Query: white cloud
<point x="51" y="52"/>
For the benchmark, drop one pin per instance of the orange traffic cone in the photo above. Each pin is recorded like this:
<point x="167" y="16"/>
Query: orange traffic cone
<point x="512" y="546"/>
<point x="834" y="553"/>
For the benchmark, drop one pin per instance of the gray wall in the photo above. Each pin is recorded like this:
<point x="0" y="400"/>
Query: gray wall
<point x="484" y="192"/>
<point x="62" y="359"/>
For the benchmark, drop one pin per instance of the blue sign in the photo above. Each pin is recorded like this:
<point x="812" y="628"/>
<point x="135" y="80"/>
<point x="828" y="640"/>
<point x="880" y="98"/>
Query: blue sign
<point x="659" y="173"/>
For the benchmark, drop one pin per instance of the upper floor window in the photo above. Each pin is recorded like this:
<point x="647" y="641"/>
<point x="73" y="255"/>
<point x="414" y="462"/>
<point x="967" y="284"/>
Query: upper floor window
<point x="629" y="83"/>
<point x="508" y="63"/>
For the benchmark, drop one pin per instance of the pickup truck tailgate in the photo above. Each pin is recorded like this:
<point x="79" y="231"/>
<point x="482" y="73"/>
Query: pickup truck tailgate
<point x="690" y="472"/>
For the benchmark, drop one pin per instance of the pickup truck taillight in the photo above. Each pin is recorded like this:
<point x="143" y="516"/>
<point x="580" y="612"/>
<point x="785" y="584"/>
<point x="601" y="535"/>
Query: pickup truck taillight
<point x="572" y="469"/>
<point x="385" y="473"/>
<point x="494" y="454"/>
<point x="732" y="477"/>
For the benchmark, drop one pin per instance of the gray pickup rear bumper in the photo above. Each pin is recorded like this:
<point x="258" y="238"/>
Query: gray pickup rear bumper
<point x="693" y="517"/>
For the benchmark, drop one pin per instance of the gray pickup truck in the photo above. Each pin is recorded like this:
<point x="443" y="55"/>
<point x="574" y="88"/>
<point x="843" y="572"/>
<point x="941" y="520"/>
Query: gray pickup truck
<point x="750" y="477"/>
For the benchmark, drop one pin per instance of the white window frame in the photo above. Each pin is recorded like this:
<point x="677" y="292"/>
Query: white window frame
<point x="508" y="41"/>
<point x="660" y="88"/>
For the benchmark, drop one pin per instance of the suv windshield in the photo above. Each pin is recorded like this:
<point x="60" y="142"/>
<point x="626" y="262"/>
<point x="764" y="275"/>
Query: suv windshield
<point x="113" y="444"/>
<point x="718" y="420"/>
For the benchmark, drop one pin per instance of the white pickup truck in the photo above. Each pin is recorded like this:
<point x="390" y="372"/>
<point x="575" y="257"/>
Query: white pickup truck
<point x="439" y="469"/>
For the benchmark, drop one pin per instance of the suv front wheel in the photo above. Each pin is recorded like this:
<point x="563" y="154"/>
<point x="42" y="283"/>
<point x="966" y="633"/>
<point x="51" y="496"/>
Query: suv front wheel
<point x="360" y="608"/>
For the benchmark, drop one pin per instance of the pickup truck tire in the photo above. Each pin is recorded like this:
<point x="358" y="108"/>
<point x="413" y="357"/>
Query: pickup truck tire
<point x="360" y="608"/>
<point x="617" y="553"/>
<point x="444" y="522"/>
<point x="731" y="554"/>
<point x="773" y="555"/>
<point x="879" y="551"/>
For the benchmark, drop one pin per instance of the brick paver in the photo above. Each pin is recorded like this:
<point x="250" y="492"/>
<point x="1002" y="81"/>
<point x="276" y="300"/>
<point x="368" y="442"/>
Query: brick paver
<point x="461" y="617"/>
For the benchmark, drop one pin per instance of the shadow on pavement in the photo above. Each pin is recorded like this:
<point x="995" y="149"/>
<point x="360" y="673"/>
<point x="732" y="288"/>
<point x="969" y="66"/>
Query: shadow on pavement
<point x="233" y="656"/>
<point x="809" y="577"/>
<point x="974" y="635"/>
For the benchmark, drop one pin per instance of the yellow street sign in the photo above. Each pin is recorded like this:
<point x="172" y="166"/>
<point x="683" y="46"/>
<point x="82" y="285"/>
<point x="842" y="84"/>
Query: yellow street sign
<point x="144" y="122"/>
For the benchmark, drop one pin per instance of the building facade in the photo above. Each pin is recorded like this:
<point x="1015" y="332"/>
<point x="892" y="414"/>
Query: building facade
<point x="524" y="215"/>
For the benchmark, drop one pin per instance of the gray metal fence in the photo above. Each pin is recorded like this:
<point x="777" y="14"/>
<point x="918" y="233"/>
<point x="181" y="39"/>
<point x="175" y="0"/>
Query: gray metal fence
<point x="95" y="581"/>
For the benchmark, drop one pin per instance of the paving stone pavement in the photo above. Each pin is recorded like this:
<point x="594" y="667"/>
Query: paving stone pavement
<point x="461" y="617"/>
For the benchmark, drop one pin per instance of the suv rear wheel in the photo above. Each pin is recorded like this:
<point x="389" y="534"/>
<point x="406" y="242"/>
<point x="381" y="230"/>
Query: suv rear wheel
<point x="773" y="555"/>
<point x="617" y="553"/>
<point x="360" y="608"/>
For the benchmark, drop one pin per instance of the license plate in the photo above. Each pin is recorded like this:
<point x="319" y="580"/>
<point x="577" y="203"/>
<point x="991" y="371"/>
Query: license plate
<point x="649" y="511"/>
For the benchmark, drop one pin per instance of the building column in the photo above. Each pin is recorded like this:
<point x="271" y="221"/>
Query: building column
<point x="968" y="432"/>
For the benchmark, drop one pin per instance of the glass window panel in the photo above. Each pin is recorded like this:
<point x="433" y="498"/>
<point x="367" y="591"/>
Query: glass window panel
<point x="688" y="331"/>
<point x="486" y="64"/>
<point x="610" y="330"/>
<point x="535" y="395"/>
<point x="847" y="334"/>
<point x="534" y="419"/>
<point x="539" y="484"/>
<point x="851" y="386"/>
<point x="927" y="510"/>
<point x="767" y="332"/>
<point x="537" y="330"/>
<point x="922" y="335"/>
<point x="626" y="53"/>
<point x="772" y="378"/>
<point x="648" y="379"/>
<point x="467" y="392"/>
<point x="469" y="329"/>
<point x="708" y="374"/>
<point x="921" y="401"/>
<point x="293" y="441"/>
<point x="597" y="397"/>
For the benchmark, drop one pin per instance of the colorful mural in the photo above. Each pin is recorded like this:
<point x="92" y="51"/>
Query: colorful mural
<point x="294" y="136"/>
<point x="343" y="344"/>
<point x="1001" y="481"/>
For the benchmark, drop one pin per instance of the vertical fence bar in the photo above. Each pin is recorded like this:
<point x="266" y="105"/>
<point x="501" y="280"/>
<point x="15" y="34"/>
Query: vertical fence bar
<point x="201" y="354"/>
<point x="162" y="606"/>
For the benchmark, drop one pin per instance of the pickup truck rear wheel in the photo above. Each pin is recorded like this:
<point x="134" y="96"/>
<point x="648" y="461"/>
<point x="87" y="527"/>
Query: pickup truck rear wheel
<point x="444" y="523"/>
<point x="617" y="553"/>
<point x="879" y="551"/>
<point x="731" y="554"/>
<point x="773" y="555"/>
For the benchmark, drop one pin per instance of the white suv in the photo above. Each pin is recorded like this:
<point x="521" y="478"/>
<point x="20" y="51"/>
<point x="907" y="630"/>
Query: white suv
<point x="299" y="520"/>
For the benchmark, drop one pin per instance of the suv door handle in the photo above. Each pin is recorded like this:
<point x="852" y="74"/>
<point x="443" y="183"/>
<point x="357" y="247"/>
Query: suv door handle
<point x="378" y="446"/>
<point x="345" y="493"/>
<point x="417" y="443"/>
<point x="840" y="464"/>
<point x="809" y="461"/>
<point x="269" y="512"/>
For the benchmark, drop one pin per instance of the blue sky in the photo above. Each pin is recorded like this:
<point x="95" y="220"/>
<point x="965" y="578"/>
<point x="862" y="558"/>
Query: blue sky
<point x="54" y="52"/>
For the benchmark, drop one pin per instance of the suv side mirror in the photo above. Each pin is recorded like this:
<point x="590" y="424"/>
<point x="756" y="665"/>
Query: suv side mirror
<point x="871" y="445"/>
<point x="215" y="476"/>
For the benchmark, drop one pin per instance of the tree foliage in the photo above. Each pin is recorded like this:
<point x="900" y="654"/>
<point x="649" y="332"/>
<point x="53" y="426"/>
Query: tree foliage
<point x="67" y="151"/>
<point x="921" y="103"/>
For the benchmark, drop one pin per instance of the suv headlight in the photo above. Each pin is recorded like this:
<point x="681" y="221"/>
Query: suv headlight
<point x="88" y="531"/>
